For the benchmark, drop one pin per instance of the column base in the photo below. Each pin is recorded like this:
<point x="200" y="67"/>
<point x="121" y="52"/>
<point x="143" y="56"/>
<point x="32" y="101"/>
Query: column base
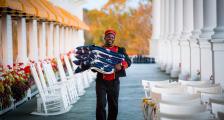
<point x="195" y="59"/>
<point x="195" y="77"/>
<point x="206" y="56"/>
<point x="184" y="76"/>
<point x="163" y="67"/>
<point x="168" y="69"/>
<point x="218" y="57"/>
<point x="175" y="73"/>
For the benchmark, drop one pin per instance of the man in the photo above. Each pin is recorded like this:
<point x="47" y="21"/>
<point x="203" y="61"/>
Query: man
<point x="108" y="85"/>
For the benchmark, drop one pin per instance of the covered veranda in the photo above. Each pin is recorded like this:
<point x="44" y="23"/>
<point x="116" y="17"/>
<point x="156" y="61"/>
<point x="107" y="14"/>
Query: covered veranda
<point x="187" y="43"/>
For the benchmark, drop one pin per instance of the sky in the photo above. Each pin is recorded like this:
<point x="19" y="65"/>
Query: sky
<point x="97" y="4"/>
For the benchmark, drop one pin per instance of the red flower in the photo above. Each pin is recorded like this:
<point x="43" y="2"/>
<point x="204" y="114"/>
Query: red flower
<point x="20" y="64"/>
<point x="9" y="67"/>
<point x="21" y="69"/>
<point x="24" y="77"/>
<point x="27" y="70"/>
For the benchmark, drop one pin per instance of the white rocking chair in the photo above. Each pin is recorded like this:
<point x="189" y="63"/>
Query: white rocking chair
<point x="78" y="77"/>
<point x="52" y="81"/>
<point x="50" y="101"/>
<point x="70" y="83"/>
<point x="147" y="85"/>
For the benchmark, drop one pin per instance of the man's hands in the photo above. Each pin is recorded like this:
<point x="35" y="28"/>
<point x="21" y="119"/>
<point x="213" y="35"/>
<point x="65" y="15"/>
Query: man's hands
<point x="118" y="67"/>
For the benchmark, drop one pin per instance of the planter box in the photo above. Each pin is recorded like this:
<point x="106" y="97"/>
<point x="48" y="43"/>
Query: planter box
<point x="6" y="109"/>
<point x="33" y="91"/>
<point x="20" y="102"/>
<point x="30" y="93"/>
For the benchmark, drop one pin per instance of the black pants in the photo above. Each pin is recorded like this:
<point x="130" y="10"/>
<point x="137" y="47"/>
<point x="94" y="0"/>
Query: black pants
<point x="107" y="91"/>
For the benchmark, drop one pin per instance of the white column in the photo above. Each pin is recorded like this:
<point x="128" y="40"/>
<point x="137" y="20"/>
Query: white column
<point x="78" y="38"/>
<point x="170" y="37"/>
<point x="22" y="41"/>
<point x="7" y="46"/>
<point x="195" y="50"/>
<point x="33" y="42"/>
<point x="156" y="28"/>
<point x="185" y="46"/>
<point x="62" y="40"/>
<point x="160" y="42"/>
<point x="218" y="45"/>
<point x="165" y="53"/>
<point x="56" y="41"/>
<point x="209" y="23"/>
<point x="76" y="41"/>
<point x="73" y="39"/>
<point x="50" y="40"/>
<point x="81" y="37"/>
<point x="166" y="41"/>
<point x="70" y="39"/>
<point x="42" y="40"/>
<point x="178" y="28"/>
<point x="66" y="40"/>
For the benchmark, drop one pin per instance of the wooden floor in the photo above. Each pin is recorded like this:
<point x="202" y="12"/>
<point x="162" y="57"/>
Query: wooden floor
<point x="131" y="94"/>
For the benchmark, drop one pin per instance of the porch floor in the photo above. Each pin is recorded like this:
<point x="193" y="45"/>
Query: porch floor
<point x="131" y="94"/>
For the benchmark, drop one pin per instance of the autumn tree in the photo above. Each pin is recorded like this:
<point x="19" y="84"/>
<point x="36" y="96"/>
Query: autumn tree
<point x="133" y="25"/>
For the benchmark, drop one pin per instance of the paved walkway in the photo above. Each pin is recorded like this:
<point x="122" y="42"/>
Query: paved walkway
<point x="131" y="93"/>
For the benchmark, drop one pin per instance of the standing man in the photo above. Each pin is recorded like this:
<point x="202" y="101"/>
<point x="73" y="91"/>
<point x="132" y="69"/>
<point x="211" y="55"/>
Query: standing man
<point x="108" y="85"/>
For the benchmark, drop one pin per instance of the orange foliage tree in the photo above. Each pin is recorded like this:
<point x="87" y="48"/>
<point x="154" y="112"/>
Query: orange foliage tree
<point x="133" y="26"/>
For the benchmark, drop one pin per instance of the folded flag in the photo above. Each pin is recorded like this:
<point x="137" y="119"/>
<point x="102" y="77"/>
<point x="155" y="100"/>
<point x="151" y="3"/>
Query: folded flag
<point x="97" y="58"/>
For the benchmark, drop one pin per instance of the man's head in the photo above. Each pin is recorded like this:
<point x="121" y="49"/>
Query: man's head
<point x="109" y="37"/>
